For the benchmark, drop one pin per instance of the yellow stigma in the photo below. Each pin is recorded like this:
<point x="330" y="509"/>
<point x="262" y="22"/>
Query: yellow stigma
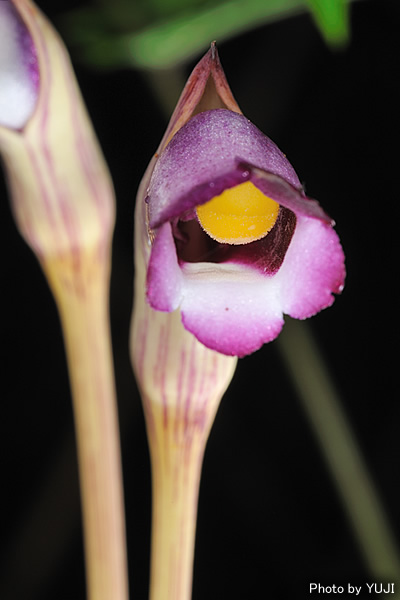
<point x="239" y="215"/>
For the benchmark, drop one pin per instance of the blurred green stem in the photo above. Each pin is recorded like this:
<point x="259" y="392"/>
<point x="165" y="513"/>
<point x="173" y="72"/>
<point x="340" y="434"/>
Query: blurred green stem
<point x="339" y="446"/>
<point x="166" y="85"/>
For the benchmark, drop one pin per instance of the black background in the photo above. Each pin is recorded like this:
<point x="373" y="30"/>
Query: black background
<point x="270" y="520"/>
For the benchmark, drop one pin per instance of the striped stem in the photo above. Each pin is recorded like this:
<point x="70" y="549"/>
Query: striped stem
<point x="176" y="459"/>
<point x="182" y="383"/>
<point x="82" y="298"/>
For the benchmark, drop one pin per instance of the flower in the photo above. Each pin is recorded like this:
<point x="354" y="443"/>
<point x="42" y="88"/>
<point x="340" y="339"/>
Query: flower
<point x="233" y="241"/>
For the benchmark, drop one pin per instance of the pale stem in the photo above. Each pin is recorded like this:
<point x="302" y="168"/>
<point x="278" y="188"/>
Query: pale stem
<point x="81" y="292"/>
<point x="176" y="471"/>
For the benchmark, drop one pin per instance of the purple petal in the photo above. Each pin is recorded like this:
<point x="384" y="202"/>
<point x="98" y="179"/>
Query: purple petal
<point x="203" y="159"/>
<point x="19" y="74"/>
<point x="164" y="277"/>
<point x="285" y="194"/>
<point x="313" y="269"/>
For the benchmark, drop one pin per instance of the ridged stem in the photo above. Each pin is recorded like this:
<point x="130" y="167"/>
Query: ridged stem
<point x="176" y="470"/>
<point x="80" y="286"/>
<point x="182" y="383"/>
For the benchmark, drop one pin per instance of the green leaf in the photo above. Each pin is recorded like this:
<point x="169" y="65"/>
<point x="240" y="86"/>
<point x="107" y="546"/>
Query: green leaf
<point x="166" y="43"/>
<point x="332" y="18"/>
<point x="160" y="41"/>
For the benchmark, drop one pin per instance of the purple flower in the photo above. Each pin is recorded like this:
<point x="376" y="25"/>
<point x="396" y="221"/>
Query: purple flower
<point x="235" y="242"/>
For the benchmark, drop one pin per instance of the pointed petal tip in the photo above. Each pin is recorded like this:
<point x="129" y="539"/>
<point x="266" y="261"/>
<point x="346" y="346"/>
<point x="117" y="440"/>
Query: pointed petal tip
<point x="213" y="49"/>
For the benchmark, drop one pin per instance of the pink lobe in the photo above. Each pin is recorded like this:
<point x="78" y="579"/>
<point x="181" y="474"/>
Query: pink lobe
<point x="164" y="277"/>
<point x="230" y="308"/>
<point x="313" y="269"/>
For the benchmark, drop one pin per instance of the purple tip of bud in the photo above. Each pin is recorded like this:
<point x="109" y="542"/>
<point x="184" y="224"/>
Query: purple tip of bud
<point x="30" y="59"/>
<point x="19" y="70"/>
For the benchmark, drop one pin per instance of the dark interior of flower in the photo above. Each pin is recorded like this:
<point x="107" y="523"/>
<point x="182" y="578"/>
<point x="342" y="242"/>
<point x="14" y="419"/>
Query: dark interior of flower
<point x="241" y="225"/>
